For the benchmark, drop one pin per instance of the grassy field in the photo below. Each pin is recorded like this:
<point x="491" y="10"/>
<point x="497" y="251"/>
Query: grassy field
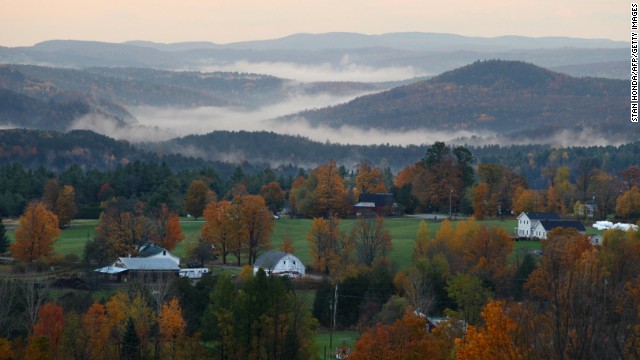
<point x="347" y="338"/>
<point x="403" y="231"/>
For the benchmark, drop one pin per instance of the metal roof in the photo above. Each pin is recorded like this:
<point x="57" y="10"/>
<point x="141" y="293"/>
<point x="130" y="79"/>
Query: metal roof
<point x="110" y="270"/>
<point x="365" y="204"/>
<point x="136" y="263"/>
<point x="271" y="258"/>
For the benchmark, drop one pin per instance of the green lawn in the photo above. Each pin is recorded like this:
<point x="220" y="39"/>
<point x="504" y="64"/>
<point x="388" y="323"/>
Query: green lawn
<point x="403" y="231"/>
<point x="347" y="338"/>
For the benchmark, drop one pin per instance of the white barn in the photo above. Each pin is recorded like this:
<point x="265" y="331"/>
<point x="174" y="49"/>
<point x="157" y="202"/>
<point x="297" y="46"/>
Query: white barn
<point x="279" y="263"/>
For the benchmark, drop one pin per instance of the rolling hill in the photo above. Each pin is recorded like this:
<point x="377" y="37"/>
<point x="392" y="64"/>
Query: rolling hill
<point x="514" y="99"/>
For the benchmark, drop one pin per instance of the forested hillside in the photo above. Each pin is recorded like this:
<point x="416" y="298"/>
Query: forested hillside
<point x="257" y="150"/>
<point x="519" y="101"/>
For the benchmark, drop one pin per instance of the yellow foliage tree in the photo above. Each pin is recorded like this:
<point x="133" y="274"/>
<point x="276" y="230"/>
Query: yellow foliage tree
<point x="36" y="233"/>
<point x="172" y="327"/>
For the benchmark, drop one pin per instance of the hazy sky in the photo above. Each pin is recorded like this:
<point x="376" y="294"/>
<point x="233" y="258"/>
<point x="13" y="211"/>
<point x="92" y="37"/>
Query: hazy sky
<point x="26" y="22"/>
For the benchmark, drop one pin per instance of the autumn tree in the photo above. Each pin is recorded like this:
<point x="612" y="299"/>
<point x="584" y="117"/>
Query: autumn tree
<point x="169" y="232"/>
<point x="297" y="194"/>
<point x="404" y="339"/>
<point x="287" y="246"/>
<point x="257" y="224"/>
<point x="273" y="196"/>
<point x="498" y="338"/>
<point x="442" y="175"/>
<point x="369" y="179"/>
<point x="421" y="246"/>
<point x="171" y="327"/>
<point x="65" y="206"/>
<point x="222" y="227"/>
<point x="330" y="192"/>
<point x="405" y="176"/>
<point x="50" y="325"/>
<point x="569" y="285"/>
<point x="371" y="239"/>
<point x="480" y="201"/>
<point x="93" y="324"/>
<point x="36" y="233"/>
<point x="322" y="194"/>
<point x="325" y="238"/>
<point x="631" y="177"/>
<point x="526" y="200"/>
<point x="50" y="193"/>
<point x="197" y="197"/>
<point x="605" y="188"/>
<point x="123" y="228"/>
<point x="487" y="255"/>
<point x="628" y="204"/>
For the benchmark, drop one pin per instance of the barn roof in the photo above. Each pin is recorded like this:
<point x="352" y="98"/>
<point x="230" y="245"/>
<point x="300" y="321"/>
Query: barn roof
<point x="148" y="263"/>
<point x="269" y="259"/>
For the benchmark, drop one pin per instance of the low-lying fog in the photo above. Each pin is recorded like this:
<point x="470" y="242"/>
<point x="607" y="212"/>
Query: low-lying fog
<point x="346" y="70"/>
<point x="164" y="123"/>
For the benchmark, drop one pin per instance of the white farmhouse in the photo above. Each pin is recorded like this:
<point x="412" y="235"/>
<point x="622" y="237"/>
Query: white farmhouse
<point x="527" y="221"/>
<point x="538" y="224"/>
<point x="279" y="263"/>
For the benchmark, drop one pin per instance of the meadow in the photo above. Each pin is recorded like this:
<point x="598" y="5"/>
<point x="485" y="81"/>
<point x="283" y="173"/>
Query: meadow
<point x="403" y="231"/>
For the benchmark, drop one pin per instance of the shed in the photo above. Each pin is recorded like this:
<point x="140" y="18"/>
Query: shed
<point x="279" y="263"/>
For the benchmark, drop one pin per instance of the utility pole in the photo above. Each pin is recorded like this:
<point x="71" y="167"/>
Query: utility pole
<point x="334" y="307"/>
<point x="450" y="213"/>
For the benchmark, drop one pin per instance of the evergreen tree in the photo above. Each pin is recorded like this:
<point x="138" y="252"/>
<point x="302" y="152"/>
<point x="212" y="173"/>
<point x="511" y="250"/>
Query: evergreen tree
<point x="131" y="342"/>
<point x="4" y="239"/>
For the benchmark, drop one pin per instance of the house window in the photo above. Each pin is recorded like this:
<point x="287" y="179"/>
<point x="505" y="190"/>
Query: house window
<point x="294" y="262"/>
<point x="285" y="262"/>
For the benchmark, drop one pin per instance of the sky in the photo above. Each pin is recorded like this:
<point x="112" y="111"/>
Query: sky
<point x="27" y="22"/>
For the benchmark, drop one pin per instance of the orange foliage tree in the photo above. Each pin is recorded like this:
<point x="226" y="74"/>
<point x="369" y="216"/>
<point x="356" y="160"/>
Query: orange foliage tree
<point x="168" y="227"/>
<point x="407" y="338"/>
<point x="50" y="325"/>
<point x="257" y="224"/>
<point x="526" y="200"/>
<point x="36" y="233"/>
<point x="324" y="238"/>
<point x="330" y="192"/>
<point x="369" y="179"/>
<point x="495" y="340"/>
<point x="93" y="324"/>
<point x="221" y="227"/>
<point x="171" y="326"/>
<point x="628" y="204"/>
<point x="65" y="206"/>
<point x="273" y="196"/>
<point x="197" y="197"/>
<point x="480" y="201"/>
<point x="287" y="246"/>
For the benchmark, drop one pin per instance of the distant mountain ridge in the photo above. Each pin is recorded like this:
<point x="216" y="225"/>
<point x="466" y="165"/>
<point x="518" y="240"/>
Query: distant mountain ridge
<point x="511" y="98"/>
<point x="424" y="53"/>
